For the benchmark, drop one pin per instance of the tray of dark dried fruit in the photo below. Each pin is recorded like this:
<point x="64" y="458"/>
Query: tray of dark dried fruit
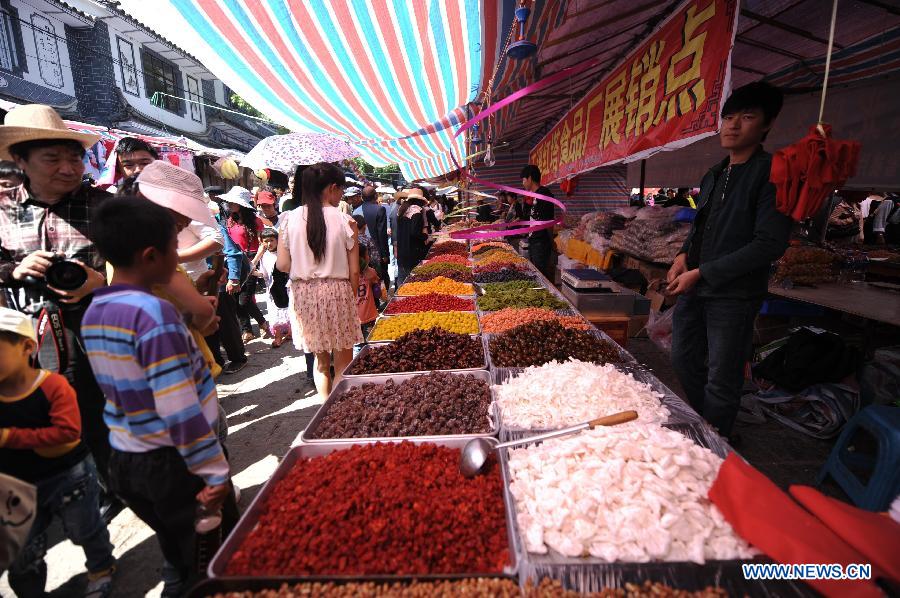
<point x="434" y="405"/>
<point x="418" y="352"/>
<point x="365" y="510"/>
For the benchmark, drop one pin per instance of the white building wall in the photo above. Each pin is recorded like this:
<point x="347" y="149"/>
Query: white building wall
<point x="56" y="76"/>
<point x="142" y="102"/>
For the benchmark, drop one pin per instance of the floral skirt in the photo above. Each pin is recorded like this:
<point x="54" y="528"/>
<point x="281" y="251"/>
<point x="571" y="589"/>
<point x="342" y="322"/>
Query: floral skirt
<point x="326" y="316"/>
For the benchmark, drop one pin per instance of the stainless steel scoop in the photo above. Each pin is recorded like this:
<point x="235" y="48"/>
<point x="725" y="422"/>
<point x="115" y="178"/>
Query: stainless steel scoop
<point x="476" y="452"/>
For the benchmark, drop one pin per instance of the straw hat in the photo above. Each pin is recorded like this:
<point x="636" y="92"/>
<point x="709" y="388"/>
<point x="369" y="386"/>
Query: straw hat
<point x="176" y="189"/>
<point x="401" y="194"/>
<point x="239" y="196"/>
<point x="34" y="122"/>
<point x="415" y="193"/>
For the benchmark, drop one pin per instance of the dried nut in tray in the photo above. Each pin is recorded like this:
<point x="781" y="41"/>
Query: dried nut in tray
<point x="385" y="508"/>
<point x="433" y="404"/>
<point x="421" y="350"/>
<point x="536" y="343"/>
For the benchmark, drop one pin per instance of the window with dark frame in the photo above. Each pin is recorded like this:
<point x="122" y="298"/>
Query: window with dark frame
<point x="164" y="77"/>
<point x="12" y="51"/>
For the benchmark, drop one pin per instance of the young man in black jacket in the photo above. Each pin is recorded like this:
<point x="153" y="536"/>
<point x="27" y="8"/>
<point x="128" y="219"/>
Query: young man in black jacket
<point x="721" y="274"/>
<point x="540" y="243"/>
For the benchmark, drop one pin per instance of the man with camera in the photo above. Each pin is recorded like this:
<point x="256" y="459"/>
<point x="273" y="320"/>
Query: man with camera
<point x="47" y="261"/>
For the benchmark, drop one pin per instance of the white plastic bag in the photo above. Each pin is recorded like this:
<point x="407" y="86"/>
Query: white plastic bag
<point x="659" y="328"/>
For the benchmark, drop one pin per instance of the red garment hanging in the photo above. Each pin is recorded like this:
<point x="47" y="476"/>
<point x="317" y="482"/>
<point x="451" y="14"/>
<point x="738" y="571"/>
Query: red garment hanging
<point x="770" y="520"/>
<point x="807" y="171"/>
<point x="875" y="535"/>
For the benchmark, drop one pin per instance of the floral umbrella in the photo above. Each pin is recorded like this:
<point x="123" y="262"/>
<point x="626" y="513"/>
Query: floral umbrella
<point x="285" y="152"/>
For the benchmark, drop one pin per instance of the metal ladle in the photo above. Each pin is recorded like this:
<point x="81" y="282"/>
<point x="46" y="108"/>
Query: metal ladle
<point x="475" y="454"/>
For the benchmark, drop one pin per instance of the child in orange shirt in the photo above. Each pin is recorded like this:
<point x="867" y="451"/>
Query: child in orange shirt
<point x="365" y="296"/>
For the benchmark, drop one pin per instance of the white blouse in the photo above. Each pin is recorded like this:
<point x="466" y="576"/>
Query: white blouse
<point x="338" y="241"/>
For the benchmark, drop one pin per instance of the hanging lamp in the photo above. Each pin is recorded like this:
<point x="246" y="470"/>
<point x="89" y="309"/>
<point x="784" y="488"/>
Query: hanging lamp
<point x="521" y="48"/>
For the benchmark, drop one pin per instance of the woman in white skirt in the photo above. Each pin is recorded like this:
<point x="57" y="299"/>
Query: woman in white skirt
<point x="318" y="247"/>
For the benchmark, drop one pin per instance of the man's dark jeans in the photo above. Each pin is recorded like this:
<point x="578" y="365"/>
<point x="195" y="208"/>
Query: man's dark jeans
<point x="540" y="250"/>
<point x="712" y="339"/>
<point x="72" y="495"/>
<point x="228" y="336"/>
<point x="162" y="492"/>
<point x="90" y="397"/>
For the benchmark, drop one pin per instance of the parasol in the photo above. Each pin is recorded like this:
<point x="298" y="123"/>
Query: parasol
<point x="285" y="152"/>
<point x="806" y="172"/>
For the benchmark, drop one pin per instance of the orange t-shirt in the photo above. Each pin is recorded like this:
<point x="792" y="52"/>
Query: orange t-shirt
<point x="365" y="299"/>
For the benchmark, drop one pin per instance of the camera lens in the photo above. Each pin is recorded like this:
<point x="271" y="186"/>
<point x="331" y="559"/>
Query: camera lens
<point x="65" y="275"/>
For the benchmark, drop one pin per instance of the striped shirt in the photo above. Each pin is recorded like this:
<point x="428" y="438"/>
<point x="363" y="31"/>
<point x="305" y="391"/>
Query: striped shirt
<point x="159" y="390"/>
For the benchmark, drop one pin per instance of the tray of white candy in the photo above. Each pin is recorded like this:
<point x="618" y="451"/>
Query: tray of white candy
<point x="624" y="504"/>
<point x="560" y="394"/>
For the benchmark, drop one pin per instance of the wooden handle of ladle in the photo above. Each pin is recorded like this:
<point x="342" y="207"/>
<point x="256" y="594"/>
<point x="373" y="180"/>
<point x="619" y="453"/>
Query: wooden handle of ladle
<point x="613" y="420"/>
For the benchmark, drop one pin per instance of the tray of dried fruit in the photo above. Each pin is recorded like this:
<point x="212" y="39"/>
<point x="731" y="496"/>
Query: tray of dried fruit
<point x="615" y="506"/>
<point x="396" y="587"/>
<point x="432" y="406"/>
<point x="397" y="301"/>
<point x="383" y="319"/>
<point x="378" y="358"/>
<point x="374" y="510"/>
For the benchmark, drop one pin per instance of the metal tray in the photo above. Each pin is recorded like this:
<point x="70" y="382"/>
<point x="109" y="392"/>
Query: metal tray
<point x="368" y="347"/>
<point x="347" y="383"/>
<point x="396" y="298"/>
<point x="251" y="516"/>
<point x="384" y="317"/>
<point x="626" y="360"/>
<point x="223" y="585"/>
<point x="469" y="296"/>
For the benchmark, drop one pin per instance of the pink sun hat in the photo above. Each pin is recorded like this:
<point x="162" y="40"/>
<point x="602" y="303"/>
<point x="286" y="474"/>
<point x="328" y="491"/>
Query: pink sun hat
<point x="177" y="189"/>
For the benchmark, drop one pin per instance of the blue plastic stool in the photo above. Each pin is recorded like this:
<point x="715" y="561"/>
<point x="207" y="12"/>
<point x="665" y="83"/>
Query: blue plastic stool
<point x="883" y="423"/>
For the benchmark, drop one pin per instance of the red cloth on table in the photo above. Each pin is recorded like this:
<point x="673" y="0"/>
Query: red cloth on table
<point x="807" y="171"/>
<point x="766" y="517"/>
<point x="875" y="535"/>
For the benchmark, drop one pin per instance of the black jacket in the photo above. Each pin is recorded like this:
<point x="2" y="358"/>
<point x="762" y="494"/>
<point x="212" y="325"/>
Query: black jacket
<point x="736" y="254"/>
<point x="376" y="223"/>
<point x="411" y="238"/>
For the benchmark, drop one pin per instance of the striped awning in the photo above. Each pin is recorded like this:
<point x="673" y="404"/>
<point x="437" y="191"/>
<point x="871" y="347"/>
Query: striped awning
<point x="392" y="76"/>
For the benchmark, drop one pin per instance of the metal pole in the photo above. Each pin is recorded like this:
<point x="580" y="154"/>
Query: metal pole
<point x="643" y="176"/>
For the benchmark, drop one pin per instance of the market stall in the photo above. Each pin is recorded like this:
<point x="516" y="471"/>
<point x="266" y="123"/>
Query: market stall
<point x="527" y="363"/>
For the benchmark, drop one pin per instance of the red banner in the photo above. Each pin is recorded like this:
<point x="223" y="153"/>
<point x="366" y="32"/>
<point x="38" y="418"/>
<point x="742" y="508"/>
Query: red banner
<point x="665" y="95"/>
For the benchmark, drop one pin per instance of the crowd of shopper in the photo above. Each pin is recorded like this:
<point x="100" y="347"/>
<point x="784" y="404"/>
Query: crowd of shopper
<point x="115" y="403"/>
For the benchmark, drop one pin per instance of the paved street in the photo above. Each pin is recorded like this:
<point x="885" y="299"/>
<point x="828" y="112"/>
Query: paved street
<point x="268" y="404"/>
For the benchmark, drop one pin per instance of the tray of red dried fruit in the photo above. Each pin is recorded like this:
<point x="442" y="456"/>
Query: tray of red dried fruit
<point x="376" y="511"/>
<point x="263" y="587"/>
<point x="400" y="305"/>
<point x="441" y="411"/>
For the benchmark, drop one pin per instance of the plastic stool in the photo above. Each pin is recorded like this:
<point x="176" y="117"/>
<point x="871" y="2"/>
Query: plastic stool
<point x="883" y="423"/>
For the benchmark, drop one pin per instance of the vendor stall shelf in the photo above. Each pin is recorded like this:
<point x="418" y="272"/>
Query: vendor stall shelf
<point x="856" y="298"/>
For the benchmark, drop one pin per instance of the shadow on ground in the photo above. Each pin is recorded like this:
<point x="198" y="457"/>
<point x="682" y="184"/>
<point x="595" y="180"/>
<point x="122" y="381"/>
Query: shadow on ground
<point x="268" y="403"/>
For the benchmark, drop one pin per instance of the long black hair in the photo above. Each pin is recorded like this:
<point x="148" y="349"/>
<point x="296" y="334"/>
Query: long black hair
<point x="246" y="218"/>
<point x="316" y="179"/>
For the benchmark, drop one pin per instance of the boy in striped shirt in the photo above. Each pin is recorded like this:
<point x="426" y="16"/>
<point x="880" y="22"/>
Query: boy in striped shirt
<point x="161" y="404"/>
